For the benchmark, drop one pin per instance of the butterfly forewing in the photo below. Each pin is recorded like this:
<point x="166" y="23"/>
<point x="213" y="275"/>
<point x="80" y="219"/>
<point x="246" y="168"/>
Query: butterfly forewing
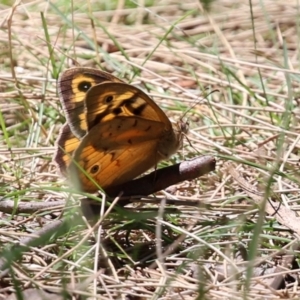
<point x="73" y="85"/>
<point x="110" y="100"/>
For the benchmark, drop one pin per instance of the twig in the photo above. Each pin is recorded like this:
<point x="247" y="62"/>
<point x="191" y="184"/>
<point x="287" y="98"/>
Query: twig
<point x="163" y="178"/>
<point x="8" y="206"/>
<point x="154" y="182"/>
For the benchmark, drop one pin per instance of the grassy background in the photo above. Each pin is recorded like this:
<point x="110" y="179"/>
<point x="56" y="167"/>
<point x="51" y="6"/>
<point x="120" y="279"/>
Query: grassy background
<point x="247" y="54"/>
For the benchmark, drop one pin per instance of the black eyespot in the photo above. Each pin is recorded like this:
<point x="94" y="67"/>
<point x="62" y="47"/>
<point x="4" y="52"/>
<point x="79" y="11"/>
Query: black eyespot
<point x="117" y="110"/>
<point x="84" y="86"/>
<point x="108" y="99"/>
<point x="94" y="169"/>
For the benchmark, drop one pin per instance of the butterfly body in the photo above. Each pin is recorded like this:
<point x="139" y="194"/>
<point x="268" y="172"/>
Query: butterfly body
<point x="124" y="134"/>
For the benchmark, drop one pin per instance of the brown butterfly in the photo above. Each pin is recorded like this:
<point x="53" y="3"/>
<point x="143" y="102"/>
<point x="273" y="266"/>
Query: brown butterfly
<point x="116" y="131"/>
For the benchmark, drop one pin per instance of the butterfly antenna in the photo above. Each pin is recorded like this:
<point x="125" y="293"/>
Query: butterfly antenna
<point x="197" y="102"/>
<point x="184" y="126"/>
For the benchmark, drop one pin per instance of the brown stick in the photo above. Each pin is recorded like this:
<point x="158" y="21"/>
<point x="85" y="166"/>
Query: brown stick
<point x="8" y="206"/>
<point x="163" y="178"/>
<point x="155" y="181"/>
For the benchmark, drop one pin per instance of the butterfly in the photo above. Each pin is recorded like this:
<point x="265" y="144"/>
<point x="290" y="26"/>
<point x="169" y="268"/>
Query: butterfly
<point x="114" y="131"/>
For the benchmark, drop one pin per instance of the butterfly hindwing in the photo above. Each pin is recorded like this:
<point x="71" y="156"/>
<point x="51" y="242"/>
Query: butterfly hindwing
<point x="116" y="151"/>
<point x="66" y="144"/>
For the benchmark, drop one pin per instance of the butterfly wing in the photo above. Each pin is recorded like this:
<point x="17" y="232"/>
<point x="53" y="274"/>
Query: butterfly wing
<point x="73" y="85"/>
<point x="66" y="144"/>
<point x="116" y="151"/>
<point x="109" y="100"/>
